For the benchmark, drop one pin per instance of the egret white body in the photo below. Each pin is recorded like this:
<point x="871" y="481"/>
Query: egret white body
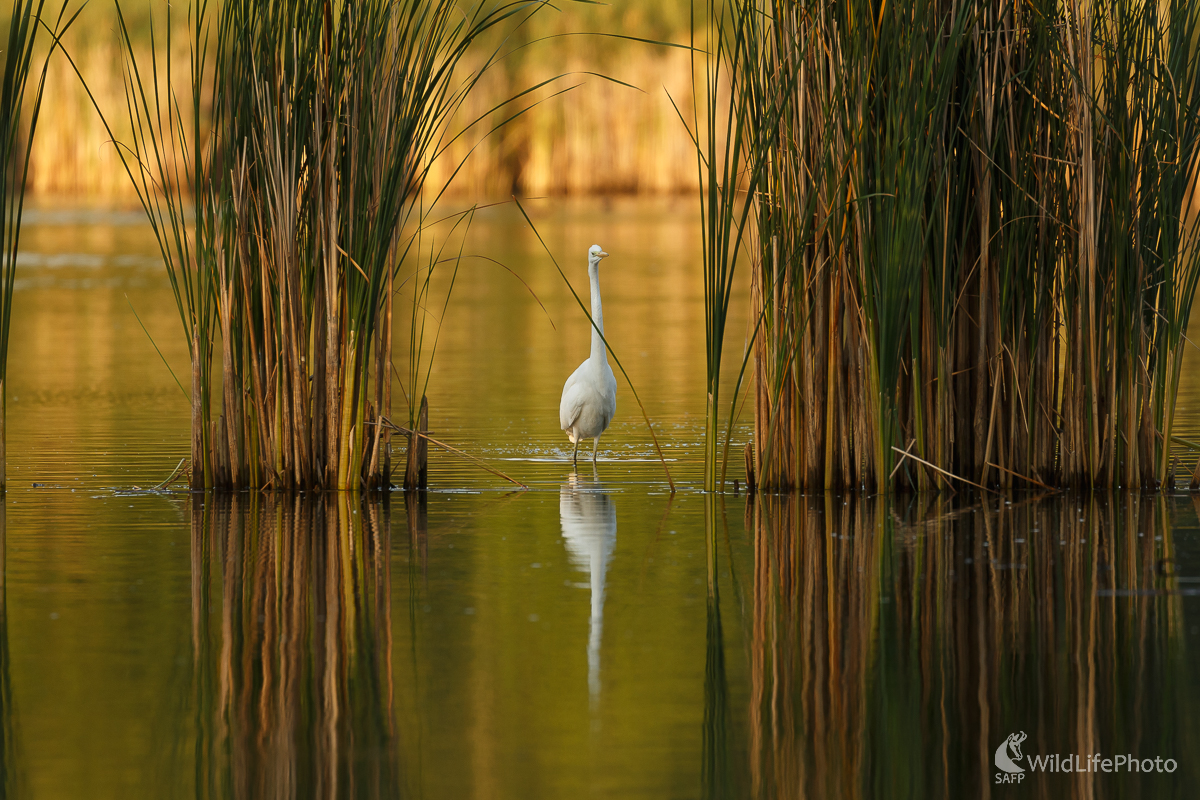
<point x="589" y="398"/>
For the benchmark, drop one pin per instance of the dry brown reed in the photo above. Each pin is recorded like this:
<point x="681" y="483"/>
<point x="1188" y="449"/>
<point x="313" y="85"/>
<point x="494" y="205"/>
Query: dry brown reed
<point x="893" y="648"/>
<point x="292" y="645"/>
<point x="972" y="241"/>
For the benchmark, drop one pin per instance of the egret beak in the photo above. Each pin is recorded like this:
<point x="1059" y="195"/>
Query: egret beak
<point x="602" y="254"/>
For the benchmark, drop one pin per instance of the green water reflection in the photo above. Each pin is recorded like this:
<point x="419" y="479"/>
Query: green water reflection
<point x="603" y="642"/>
<point x="7" y="753"/>
<point x="804" y="647"/>
<point x="594" y="637"/>
<point x="893" y="648"/>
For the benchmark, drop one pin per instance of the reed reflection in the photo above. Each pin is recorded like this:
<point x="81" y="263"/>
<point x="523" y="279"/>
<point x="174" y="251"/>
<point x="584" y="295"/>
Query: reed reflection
<point x="892" y="648"/>
<point x="589" y="529"/>
<point x="7" y="723"/>
<point x="292" y="646"/>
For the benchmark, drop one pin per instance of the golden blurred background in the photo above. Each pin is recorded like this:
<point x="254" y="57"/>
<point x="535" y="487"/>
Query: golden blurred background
<point x="604" y="123"/>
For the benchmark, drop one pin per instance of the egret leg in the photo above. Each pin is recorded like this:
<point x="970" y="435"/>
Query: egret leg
<point x="575" y="455"/>
<point x="595" y="446"/>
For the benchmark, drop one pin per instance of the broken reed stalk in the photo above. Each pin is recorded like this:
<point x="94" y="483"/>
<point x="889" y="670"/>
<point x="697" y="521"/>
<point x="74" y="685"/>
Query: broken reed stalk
<point x="418" y="455"/>
<point x="972" y="232"/>
<point x="416" y="473"/>
<point x="19" y="113"/>
<point x="323" y="119"/>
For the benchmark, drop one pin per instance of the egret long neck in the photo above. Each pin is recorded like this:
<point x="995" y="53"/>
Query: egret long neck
<point x="598" y="351"/>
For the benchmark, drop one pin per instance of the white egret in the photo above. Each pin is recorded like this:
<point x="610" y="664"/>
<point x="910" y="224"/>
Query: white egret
<point x="589" y="397"/>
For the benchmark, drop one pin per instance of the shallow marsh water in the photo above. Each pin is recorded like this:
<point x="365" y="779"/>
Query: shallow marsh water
<point x="593" y="636"/>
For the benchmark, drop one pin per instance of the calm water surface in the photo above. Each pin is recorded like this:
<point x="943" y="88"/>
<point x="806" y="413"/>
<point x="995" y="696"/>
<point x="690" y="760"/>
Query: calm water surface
<point x="594" y="636"/>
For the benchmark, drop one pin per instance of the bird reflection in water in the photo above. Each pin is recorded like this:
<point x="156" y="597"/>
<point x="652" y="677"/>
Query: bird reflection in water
<point x="589" y="529"/>
<point x="292" y="645"/>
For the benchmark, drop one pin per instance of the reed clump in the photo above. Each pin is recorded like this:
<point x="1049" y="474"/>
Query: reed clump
<point x="972" y="254"/>
<point x="306" y="154"/>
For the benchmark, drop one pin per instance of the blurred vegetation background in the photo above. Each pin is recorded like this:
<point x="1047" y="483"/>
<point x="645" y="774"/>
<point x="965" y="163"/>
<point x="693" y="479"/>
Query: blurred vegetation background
<point x="597" y="136"/>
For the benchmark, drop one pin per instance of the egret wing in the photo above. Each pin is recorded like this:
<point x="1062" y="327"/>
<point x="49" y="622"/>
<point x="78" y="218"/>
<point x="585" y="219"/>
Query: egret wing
<point x="571" y="405"/>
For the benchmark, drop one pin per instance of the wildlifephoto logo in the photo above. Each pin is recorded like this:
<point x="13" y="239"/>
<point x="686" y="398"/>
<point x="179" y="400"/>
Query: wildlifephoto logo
<point x="1008" y="754"/>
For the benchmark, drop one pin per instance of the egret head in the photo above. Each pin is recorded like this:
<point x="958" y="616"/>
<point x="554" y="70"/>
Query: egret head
<point x="595" y="253"/>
